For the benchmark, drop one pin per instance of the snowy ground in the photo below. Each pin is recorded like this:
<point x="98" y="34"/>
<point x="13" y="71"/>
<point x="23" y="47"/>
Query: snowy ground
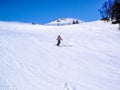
<point x="88" y="59"/>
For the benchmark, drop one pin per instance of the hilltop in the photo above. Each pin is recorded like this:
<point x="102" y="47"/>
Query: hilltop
<point x="65" y="21"/>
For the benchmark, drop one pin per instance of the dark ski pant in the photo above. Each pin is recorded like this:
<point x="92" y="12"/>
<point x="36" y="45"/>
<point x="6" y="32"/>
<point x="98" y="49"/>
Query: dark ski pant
<point x="58" y="43"/>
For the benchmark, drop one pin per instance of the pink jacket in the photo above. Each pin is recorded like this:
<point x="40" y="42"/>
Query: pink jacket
<point x="59" y="38"/>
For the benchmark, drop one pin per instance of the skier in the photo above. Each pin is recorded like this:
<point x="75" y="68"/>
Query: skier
<point x="59" y="40"/>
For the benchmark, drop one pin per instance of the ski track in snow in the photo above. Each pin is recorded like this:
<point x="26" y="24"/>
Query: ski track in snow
<point x="88" y="58"/>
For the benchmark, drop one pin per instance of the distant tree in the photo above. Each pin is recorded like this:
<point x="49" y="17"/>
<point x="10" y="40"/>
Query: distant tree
<point x="111" y="10"/>
<point x="115" y="16"/>
<point x="77" y="22"/>
<point x="74" y="22"/>
<point x="58" y="20"/>
<point x="105" y="10"/>
<point x="33" y="23"/>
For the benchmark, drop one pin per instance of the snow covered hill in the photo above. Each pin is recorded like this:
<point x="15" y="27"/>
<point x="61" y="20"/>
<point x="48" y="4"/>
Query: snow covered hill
<point x="65" y="21"/>
<point x="88" y="59"/>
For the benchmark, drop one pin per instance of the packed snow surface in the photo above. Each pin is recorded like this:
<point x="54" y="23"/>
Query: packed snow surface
<point x="87" y="59"/>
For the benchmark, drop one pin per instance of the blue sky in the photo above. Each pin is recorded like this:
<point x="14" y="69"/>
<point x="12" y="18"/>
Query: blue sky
<point x="44" y="11"/>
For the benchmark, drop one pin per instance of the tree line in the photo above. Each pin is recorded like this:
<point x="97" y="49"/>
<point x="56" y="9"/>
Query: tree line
<point x="110" y="10"/>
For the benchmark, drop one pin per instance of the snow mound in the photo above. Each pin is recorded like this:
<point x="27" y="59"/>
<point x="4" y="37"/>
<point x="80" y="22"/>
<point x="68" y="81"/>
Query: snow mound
<point x="65" y="21"/>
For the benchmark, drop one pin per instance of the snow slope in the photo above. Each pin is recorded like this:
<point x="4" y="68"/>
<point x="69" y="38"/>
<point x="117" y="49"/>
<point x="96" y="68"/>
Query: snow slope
<point x="88" y="59"/>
